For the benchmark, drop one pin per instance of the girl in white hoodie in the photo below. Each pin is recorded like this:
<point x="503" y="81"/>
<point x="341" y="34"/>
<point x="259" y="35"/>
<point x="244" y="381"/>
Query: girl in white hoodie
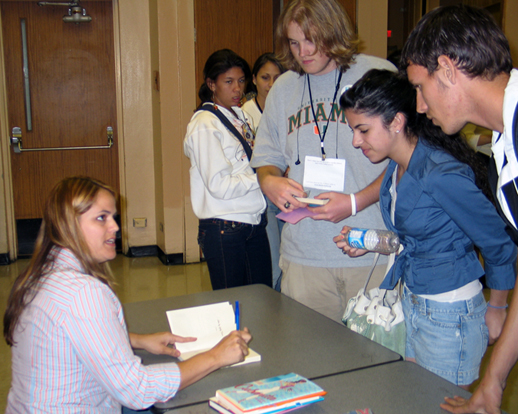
<point x="225" y="193"/>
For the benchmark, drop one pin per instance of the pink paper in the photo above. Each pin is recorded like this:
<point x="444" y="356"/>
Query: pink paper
<point x="296" y="215"/>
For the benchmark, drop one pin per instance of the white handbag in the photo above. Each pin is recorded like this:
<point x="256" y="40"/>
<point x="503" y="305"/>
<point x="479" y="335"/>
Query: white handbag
<point x="378" y="315"/>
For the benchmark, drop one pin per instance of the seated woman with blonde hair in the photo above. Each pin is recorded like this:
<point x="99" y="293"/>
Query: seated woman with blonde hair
<point x="71" y="351"/>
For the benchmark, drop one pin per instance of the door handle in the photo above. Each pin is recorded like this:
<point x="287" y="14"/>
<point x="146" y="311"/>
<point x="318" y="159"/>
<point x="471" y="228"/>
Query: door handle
<point x="16" y="142"/>
<point x="16" y="139"/>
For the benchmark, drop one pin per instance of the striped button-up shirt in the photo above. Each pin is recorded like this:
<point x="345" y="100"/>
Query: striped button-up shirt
<point x="72" y="351"/>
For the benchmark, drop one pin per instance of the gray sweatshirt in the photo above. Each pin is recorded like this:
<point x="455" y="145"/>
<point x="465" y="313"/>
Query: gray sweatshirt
<point x="287" y="134"/>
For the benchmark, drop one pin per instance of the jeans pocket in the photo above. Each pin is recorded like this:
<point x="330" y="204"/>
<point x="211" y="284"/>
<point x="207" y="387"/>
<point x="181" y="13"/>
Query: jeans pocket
<point x="231" y="227"/>
<point x="446" y="320"/>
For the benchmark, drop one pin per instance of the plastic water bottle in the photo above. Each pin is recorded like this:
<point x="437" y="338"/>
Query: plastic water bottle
<point x="381" y="241"/>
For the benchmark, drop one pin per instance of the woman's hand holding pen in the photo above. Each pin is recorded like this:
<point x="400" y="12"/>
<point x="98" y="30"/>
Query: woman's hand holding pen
<point x="232" y="348"/>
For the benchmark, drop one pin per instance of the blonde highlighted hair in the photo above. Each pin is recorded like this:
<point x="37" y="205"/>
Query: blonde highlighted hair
<point x="67" y="202"/>
<point x="323" y="22"/>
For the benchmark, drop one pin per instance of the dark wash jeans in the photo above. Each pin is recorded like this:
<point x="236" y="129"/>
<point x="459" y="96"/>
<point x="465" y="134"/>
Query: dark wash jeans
<point x="237" y="254"/>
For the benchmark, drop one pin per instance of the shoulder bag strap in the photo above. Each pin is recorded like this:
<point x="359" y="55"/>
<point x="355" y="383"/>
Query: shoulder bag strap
<point x="392" y="256"/>
<point x="230" y="127"/>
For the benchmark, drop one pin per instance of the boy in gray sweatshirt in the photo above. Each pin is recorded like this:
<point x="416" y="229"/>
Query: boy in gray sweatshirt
<point x="304" y="149"/>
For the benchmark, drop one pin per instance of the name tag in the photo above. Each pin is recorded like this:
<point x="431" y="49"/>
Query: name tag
<point x="328" y="175"/>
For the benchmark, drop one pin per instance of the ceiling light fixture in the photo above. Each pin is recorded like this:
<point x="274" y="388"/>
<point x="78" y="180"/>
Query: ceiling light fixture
<point x="76" y="14"/>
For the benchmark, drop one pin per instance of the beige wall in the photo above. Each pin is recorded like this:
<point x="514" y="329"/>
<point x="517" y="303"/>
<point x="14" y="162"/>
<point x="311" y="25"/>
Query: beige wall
<point x="4" y="182"/>
<point x="4" y="246"/>
<point x="177" y="103"/>
<point x="372" y="26"/>
<point x="136" y="125"/>
<point x="7" y="235"/>
<point x="157" y="39"/>
<point x="157" y="128"/>
<point x="156" y="171"/>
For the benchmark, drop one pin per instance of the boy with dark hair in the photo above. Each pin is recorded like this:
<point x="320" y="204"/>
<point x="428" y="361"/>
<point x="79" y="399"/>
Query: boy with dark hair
<point x="460" y="63"/>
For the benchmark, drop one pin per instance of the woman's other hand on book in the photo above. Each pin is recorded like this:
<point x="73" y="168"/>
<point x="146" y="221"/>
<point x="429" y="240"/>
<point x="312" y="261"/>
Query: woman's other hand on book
<point x="160" y="343"/>
<point x="232" y="348"/>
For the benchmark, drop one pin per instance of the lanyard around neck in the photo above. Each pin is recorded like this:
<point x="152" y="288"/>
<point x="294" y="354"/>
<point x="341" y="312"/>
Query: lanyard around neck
<point x="322" y="136"/>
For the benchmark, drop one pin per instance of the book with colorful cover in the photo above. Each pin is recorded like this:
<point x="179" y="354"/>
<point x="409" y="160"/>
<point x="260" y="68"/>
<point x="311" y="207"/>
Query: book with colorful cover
<point x="270" y="395"/>
<point x="364" y="411"/>
<point x="226" y="408"/>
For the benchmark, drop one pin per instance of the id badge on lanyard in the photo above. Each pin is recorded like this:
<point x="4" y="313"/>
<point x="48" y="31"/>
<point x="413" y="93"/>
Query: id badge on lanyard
<point x="325" y="175"/>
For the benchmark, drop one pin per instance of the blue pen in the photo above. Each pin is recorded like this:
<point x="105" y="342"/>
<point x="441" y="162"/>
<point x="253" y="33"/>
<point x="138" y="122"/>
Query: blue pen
<point x="237" y="315"/>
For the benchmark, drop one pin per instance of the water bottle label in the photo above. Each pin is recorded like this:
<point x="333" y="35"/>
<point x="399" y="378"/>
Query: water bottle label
<point x="356" y="238"/>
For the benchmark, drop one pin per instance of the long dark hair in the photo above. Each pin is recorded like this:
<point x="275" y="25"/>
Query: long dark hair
<point x="260" y="62"/>
<point x="384" y="93"/>
<point x="217" y="63"/>
<point x="68" y="200"/>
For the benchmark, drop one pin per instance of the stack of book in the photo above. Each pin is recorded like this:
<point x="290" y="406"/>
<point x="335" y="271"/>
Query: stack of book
<point x="272" y="395"/>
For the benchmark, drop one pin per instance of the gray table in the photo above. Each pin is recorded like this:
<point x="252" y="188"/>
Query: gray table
<point x="289" y="336"/>
<point x="395" y="388"/>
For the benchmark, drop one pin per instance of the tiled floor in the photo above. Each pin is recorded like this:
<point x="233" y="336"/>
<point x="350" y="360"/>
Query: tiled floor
<point x="147" y="278"/>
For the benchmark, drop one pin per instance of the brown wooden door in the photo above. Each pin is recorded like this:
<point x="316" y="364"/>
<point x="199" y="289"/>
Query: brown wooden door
<point x="350" y="9"/>
<point x="245" y="26"/>
<point x="71" y="77"/>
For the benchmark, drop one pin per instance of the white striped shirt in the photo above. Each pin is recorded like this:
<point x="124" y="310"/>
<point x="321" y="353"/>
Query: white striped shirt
<point x="72" y="351"/>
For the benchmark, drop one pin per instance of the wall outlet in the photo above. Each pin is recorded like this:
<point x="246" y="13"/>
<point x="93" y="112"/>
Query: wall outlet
<point x="140" y="222"/>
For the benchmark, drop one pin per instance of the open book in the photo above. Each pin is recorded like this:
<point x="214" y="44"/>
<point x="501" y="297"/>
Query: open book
<point x="208" y="323"/>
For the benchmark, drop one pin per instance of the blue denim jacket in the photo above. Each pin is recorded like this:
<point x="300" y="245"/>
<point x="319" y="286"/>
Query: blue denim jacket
<point x="440" y="215"/>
